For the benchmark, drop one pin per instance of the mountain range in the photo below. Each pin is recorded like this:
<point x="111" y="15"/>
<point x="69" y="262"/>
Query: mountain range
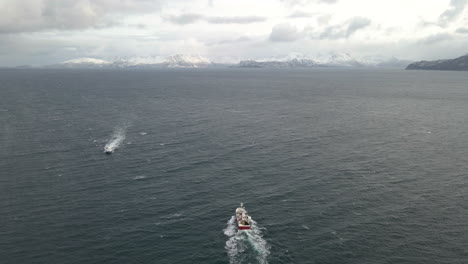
<point x="196" y="61"/>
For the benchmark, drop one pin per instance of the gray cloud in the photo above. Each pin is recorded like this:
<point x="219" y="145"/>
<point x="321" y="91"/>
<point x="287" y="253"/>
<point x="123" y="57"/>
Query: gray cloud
<point x="191" y="18"/>
<point x="356" y="24"/>
<point x="289" y="33"/>
<point x="284" y="33"/>
<point x="345" y="31"/>
<point x="18" y="49"/>
<point x="452" y="13"/>
<point x="230" y="41"/>
<point x="184" y="19"/>
<point x="462" y="30"/>
<point x="436" y="38"/>
<point x="38" y="15"/>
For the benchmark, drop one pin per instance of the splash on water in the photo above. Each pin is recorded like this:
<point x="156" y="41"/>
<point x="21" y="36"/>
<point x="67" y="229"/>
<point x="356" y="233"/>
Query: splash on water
<point x="246" y="246"/>
<point x="117" y="138"/>
<point x="139" y="177"/>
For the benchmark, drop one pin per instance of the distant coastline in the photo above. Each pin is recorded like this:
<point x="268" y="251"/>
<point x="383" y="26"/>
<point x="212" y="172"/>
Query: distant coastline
<point x="457" y="64"/>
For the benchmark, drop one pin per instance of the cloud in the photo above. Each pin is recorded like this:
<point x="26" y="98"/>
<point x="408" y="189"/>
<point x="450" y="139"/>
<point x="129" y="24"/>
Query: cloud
<point x="306" y="2"/>
<point x="324" y="20"/>
<point x="289" y="33"/>
<point x="284" y="33"/>
<point x="452" y="13"/>
<point x="345" y="30"/>
<point x="39" y="15"/>
<point x="184" y="19"/>
<point x="230" y="41"/>
<point x="356" y="24"/>
<point x="301" y="14"/>
<point x="462" y="30"/>
<point x="191" y="18"/>
<point x="436" y="38"/>
<point x="235" y="20"/>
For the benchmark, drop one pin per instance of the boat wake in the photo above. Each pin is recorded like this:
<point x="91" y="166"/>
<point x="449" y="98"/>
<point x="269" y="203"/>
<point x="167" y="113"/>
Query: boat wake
<point x="117" y="138"/>
<point x="245" y="246"/>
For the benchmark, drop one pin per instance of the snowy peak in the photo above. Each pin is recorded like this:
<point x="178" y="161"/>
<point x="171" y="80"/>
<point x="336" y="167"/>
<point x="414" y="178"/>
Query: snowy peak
<point x="293" y="60"/>
<point x="293" y="63"/>
<point x="86" y="61"/>
<point x="82" y="63"/>
<point x="339" y="59"/>
<point x="138" y="61"/>
<point x="186" y="61"/>
<point x="174" y="61"/>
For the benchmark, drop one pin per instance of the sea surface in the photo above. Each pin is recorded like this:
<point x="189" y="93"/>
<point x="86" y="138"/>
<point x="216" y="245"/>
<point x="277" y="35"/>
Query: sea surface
<point x="334" y="166"/>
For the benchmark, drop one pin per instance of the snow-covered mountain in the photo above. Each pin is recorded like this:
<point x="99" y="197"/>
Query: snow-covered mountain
<point x="138" y="61"/>
<point x="333" y="59"/>
<point x="293" y="63"/>
<point x="174" y="61"/>
<point x="292" y="60"/>
<point x="186" y="61"/>
<point x="86" y="61"/>
<point x="82" y="63"/>
<point x="338" y="59"/>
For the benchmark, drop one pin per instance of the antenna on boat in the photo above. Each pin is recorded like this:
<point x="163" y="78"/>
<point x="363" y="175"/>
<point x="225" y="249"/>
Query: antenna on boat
<point x="242" y="204"/>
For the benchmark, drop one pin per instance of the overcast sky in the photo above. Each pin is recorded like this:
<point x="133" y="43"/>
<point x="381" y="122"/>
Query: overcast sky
<point x="39" y="32"/>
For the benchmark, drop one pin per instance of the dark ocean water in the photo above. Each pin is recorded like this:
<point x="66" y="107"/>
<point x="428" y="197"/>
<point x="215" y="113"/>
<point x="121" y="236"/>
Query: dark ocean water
<point x="335" y="166"/>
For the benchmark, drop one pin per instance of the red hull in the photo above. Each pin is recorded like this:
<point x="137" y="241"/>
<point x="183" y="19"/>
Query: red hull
<point x="242" y="227"/>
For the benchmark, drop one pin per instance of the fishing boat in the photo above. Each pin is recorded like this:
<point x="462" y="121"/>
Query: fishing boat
<point x="242" y="218"/>
<point x="108" y="150"/>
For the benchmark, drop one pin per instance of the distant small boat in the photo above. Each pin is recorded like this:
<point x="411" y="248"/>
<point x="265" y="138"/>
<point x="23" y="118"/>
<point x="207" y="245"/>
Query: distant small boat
<point x="242" y="218"/>
<point x="108" y="150"/>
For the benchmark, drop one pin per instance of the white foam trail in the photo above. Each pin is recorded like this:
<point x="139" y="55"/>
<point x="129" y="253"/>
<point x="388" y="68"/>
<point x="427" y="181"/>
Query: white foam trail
<point x="117" y="138"/>
<point x="245" y="245"/>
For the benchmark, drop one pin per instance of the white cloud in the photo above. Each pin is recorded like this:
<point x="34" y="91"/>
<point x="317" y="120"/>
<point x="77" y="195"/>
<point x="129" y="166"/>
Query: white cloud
<point x="301" y="14"/>
<point x="306" y="2"/>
